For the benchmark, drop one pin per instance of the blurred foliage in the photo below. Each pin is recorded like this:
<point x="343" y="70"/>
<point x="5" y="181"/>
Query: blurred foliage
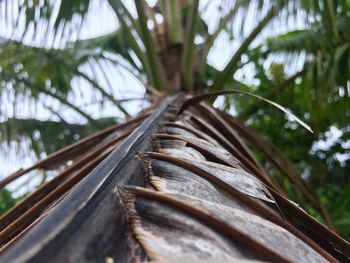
<point x="47" y="136"/>
<point x="6" y="201"/>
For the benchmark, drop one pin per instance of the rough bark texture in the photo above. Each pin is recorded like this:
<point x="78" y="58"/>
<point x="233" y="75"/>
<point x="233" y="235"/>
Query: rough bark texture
<point x="177" y="187"/>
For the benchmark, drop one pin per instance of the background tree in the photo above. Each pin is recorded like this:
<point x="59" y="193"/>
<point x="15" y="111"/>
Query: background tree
<point x="167" y="46"/>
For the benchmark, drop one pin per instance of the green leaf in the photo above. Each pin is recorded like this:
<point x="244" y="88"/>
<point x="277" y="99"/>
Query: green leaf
<point x="153" y="59"/>
<point x="189" y="46"/>
<point x="199" y="98"/>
